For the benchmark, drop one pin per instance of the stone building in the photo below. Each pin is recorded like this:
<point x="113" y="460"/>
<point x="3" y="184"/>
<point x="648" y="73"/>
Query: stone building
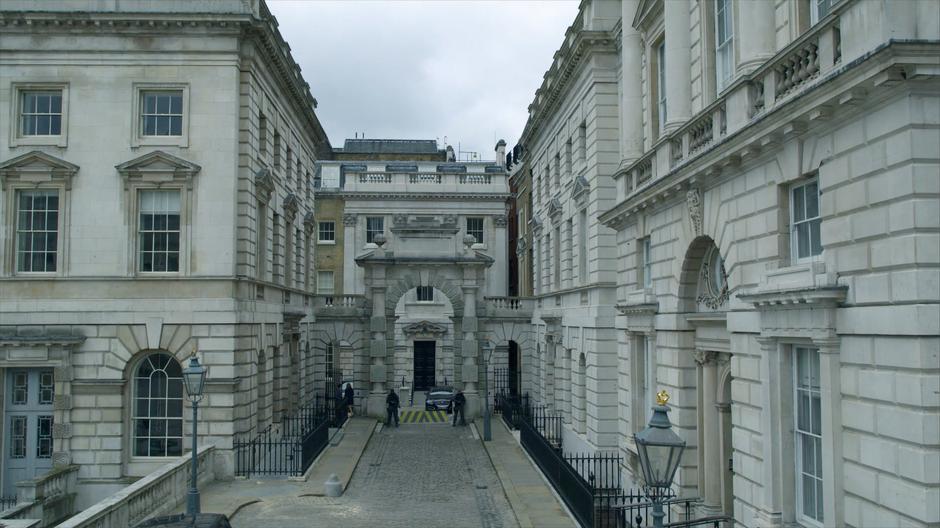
<point x="738" y="202"/>
<point x="155" y="199"/>
<point x="421" y="270"/>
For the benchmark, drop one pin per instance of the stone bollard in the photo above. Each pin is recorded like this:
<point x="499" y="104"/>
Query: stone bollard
<point x="332" y="486"/>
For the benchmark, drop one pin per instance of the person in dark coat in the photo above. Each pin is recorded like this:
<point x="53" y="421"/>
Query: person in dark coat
<point x="349" y="395"/>
<point x="391" y="407"/>
<point x="460" y="401"/>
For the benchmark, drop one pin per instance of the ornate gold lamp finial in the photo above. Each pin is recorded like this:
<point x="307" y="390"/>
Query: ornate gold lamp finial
<point x="662" y="397"/>
<point x="195" y="349"/>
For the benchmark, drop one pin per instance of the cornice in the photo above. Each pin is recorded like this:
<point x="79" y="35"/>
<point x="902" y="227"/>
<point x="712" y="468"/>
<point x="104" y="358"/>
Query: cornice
<point x="360" y="195"/>
<point x="642" y="308"/>
<point x="557" y="79"/>
<point x="827" y="296"/>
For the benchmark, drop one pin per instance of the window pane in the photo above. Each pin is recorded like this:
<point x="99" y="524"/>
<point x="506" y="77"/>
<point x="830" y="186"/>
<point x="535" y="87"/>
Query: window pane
<point x="802" y="240"/>
<point x="176" y="126"/>
<point x="799" y="206"/>
<point x="819" y="501"/>
<point x="815" y="241"/>
<point x="809" y="495"/>
<point x="812" y="200"/>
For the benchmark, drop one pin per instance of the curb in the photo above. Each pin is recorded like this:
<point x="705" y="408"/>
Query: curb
<point x="508" y="489"/>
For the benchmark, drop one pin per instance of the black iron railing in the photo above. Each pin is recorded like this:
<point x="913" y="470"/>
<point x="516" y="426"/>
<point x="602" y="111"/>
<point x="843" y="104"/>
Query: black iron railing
<point x="289" y="447"/>
<point x="601" y="470"/>
<point x="512" y="408"/>
<point x="7" y="502"/>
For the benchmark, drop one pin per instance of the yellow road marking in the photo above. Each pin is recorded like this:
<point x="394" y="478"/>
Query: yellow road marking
<point x="419" y="416"/>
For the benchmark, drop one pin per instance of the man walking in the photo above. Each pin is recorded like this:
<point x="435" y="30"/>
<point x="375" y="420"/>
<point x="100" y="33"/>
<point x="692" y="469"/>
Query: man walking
<point x="459" y="402"/>
<point x="348" y="395"/>
<point x="391" y="406"/>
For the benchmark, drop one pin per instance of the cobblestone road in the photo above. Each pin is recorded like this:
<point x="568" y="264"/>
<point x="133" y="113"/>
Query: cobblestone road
<point x="416" y="476"/>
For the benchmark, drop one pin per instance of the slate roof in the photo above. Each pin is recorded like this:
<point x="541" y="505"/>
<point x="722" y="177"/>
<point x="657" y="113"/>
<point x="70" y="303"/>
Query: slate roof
<point x="390" y="146"/>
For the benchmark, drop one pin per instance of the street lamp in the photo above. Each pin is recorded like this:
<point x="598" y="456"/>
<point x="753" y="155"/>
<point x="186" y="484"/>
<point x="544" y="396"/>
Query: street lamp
<point x="659" y="449"/>
<point x="194" y="377"/>
<point x="487" y="356"/>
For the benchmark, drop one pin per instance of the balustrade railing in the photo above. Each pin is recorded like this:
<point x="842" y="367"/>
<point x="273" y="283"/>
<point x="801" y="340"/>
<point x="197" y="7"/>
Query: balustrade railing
<point x="375" y="177"/>
<point x="157" y="493"/>
<point x="475" y="179"/>
<point x="340" y="301"/>
<point x="509" y="303"/>
<point x="425" y="177"/>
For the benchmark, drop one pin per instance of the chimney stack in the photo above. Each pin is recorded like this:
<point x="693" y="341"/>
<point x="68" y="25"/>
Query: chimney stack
<point x="501" y="153"/>
<point x="450" y="154"/>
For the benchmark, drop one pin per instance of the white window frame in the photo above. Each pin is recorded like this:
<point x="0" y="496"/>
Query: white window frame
<point x="16" y="108"/>
<point x="137" y="136"/>
<point x="646" y="255"/>
<point x="481" y="240"/>
<point x="16" y="230"/>
<point x="138" y="234"/>
<point x="724" y="50"/>
<point x="801" y="436"/>
<point x="794" y="224"/>
<point x="814" y="14"/>
<point x="134" y="415"/>
<point x="662" y="103"/>
<point x="374" y="232"/>
<point x="322" y="281"/>
<point x="644" y="369"/>
<point x="320" y="231"/>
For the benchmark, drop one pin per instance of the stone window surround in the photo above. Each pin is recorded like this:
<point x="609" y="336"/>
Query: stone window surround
<point x="56" y="178"/>
<point x="790" y="186"/>
<point x="16" y="138"/>
<point x="640" y="411"/>
<point x="137" y="137"/>
<point x="322" y="241"/>
<point x="482" y="244"/>
<point x="777" y="386"/>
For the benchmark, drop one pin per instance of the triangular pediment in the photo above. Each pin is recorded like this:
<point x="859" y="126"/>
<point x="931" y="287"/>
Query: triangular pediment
<point x="158" y="167"/>
<point x="158" y="161"/>
<point x="37" y="167"/>
<point x="581" y="185"/>
<point x="424" y="327"/>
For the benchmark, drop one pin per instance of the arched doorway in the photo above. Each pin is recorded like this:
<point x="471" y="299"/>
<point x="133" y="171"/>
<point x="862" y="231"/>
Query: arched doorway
<point x="514" y="367"/>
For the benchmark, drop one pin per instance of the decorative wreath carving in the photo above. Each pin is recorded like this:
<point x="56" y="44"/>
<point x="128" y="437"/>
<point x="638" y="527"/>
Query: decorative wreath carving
<point x="713" y="280"/>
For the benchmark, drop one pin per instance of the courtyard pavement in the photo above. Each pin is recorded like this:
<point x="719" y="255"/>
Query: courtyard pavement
<point x="424" y="475"/>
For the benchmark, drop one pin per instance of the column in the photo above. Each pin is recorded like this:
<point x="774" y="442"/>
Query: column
<point x="770" y="514"/>
<point x="830" y="384"/>
<point x="470" y="350"/>
<point x="678" y="64"/>
<point x="757" y="34"/>
<point x="631" y="97"/>
<point x="378" y="372"/>
<point x="711" y="433"/>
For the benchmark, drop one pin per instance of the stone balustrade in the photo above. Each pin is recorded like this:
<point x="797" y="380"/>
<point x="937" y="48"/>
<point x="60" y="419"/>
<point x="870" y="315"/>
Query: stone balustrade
<point x="444" y="182"/>
<point x="159" y="493"/>
<point x="49" y="498"/>
<point x="339" y="301"/>
<point x="509" y="306"/>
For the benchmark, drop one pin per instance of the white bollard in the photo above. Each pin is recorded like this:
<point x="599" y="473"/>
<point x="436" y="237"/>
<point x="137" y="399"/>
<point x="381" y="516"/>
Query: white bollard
<point x="332" y="486"/>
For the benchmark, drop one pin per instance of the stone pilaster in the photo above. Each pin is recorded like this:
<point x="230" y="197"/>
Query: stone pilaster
<point x="770" y="514"/>
<point x="830" y="384"/>
<point x="470" y="350"/>
<point x="678" y="60"/>
<point x="631" y="98"/>
<point x="710" y="479"/>
<point x="378" y="371"/>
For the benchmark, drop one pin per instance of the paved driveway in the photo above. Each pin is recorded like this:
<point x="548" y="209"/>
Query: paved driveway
<point x="415" y="476"/>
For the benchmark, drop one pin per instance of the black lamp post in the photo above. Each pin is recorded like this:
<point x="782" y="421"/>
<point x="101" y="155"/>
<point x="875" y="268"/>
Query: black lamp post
<point x="660" y="450"/>
<point x="194" y="377"/>
<point x="487" y="356"/>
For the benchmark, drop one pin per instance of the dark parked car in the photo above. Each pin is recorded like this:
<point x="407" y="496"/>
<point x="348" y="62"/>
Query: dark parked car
<point x="181" y="520"/>
<point x="440" y="398"/>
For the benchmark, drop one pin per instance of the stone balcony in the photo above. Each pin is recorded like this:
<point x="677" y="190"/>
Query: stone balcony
<point x="508" y="307"/>
<point x="341" y="306"/>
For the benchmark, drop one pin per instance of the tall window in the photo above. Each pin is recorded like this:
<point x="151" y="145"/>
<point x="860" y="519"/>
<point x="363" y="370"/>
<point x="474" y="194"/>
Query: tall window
<point x="568" y="167"/>
<point x="646" y="261"/>
<point x="159" y="231"/>
<point x="158" y="407"/>
<point x="661" y="83"/>
<point x="425" y="293"/>
<point x="262" y="134"/>
<point x="325" y="282"/>
<point x="375" y="225"/>
<point x="645" y="371"/>
<point x="582" y="141"/>
<point x="298" y="260"/>
<point x="582" y="247"/>
<point x="161" y="113"/>
<point x="556" y="256"/>
<point x="277" y="150"/>
<point x="261" y="242"/>
<point x="328" y="359"/>
<point x="819" y="9"/>
<point x="805" y="221"/>
<point x="808" y="428"/>
<point x="326" y="231"/>
<point x="37" y="230"/>
<point x="41" y="113"/>
<point x="724" y="43"/>
<point x="475" y="228"/>
<point x="276" y="248"/>
<point x="558" y="171"/>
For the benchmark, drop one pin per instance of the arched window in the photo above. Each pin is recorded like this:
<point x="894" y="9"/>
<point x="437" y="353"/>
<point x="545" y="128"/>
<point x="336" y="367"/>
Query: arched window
<point x="158" y="407"/>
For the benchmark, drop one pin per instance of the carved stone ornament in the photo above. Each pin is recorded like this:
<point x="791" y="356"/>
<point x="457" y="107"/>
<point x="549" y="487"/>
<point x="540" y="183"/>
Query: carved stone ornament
<point x="450" y="220"/>
<point x="694" y="201"/>
<point x="291" y="204"/>
<point x="309" y="223"/>
<point x="499" y="220"/>
<point x="424" y="328"/>
<point x="264" y="185"/>
<point x="713" y="280"/>
<point x="703" y="357"/>
<point x="349" y="219"/>
<point x="400" y="219"/>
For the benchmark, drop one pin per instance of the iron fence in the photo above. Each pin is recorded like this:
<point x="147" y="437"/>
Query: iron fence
<point x="7" y="502"/>
<point x="601" y="470"/>
<point x="289" y="447"/>
<point x="512" y="407"/>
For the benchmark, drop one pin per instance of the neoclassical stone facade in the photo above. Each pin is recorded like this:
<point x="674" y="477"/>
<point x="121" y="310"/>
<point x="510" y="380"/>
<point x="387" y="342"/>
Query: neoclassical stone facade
<point x="423" y="267"/>
<point x="155" y="201"/>
<point x="762" y="201"/>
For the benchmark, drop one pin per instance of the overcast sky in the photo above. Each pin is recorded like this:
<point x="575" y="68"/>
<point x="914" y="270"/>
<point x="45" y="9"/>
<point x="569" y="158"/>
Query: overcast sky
<point x="464" y="70"/>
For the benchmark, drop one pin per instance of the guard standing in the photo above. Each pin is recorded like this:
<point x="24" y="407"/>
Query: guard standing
<point x="459" y="402"/>
<point x="391" y="406"/>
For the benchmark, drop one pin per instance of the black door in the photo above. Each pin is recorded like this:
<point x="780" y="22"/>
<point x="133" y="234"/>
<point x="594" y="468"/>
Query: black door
<point x="424" y="365"/>
<point x="514" y="367"/>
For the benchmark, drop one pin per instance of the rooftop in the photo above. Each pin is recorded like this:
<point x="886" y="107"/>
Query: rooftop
<point x="390" y="146"/>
